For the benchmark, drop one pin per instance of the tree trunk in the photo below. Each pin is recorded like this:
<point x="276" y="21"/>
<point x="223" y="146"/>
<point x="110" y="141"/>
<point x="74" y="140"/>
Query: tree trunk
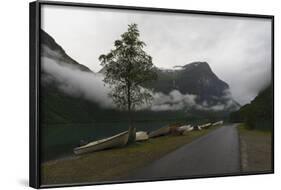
<point x="132" y="129"/>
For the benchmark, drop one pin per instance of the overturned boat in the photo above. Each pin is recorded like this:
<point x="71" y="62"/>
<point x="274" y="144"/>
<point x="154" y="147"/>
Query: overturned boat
<point x="186" y="131"/>
<point x="217" y="123"/>
<point x="197" y="128"/>
<point x="159" y="132"/>
<point x="141" y="136"/>
<point x="183" y="130"/>
<point x="118" y="140"/>
<point x="205" y="125"/>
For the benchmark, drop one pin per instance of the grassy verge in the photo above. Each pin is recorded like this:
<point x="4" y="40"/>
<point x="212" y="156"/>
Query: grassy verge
<point x="255" y="148"/>
<point x="115" y="163"/>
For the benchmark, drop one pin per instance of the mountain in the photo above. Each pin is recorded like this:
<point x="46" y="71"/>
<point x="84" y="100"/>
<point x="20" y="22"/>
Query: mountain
<point x="51" y="49"/>
<point x="60" y="103"/>
<point x="57" y="106"/>
<point x="258" y="114"/>
<point x="195" y="78"/>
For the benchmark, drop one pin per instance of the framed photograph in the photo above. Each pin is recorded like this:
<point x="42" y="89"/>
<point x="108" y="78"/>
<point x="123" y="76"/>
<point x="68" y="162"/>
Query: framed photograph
<point x="133" y="94"/>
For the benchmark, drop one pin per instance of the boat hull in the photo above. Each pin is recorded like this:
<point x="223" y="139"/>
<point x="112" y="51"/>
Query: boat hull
<point x="185" y="132"/>
<point x="141" y="136"/>
<point x="118" y="140"/>
<point x="159" y="132"/>
<point x="205" y="126"/>
<point x="217" y="123"/>
<point x="183" y="128"/>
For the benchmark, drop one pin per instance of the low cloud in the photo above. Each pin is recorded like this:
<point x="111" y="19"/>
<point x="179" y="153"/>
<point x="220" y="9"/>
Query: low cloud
<point x="77" y="83"/>
<point x="177" y="101"/>
<point x="238" y="49"/>
<point x="172" y="101"/>
<point x="229" y="105"/>
<point x="226" y="102"/>
<point x="90" y="86"/>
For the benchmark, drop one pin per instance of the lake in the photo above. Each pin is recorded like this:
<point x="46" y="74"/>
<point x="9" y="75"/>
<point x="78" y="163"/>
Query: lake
<point x="59" y="140"/>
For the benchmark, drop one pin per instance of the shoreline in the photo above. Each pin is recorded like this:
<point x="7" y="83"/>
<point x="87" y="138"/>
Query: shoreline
<point x="114" y="163"/>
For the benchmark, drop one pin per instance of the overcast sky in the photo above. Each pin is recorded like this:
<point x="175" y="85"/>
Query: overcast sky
<point x="237" y="49"/>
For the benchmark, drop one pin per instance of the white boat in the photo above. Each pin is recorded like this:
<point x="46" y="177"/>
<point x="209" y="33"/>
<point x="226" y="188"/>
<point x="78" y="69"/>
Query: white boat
<point x="205" y="125"/>
<point x="118" y="140"/>
<point x="183" y="128"/>
<point x="141" y="136"/>
<point x="197" y="128"/>
<point x="159" y="132"/>
<point x="217" y="123"/>
<point x="188" y="130"/>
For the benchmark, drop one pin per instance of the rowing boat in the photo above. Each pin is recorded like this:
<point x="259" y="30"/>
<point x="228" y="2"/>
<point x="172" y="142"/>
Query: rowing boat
<point x="118" y="140"/>
<point x="217" y="123"/>
<point x="159" y="132"/>
<point x="141" y="136"/>
<point x="188" y="130"/>
<point x="205" y="125"/>
<point x="183" y="128"/>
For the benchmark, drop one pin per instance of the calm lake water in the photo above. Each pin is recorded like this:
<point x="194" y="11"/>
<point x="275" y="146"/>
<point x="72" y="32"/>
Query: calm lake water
<point x="58" y="140"/>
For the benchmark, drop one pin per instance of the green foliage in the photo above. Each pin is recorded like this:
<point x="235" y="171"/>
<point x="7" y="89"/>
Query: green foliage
<point x="127" y="67"/>
<point x="257" y="114"/>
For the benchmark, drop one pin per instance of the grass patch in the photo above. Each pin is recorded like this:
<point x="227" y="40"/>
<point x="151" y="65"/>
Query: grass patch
<point x="113" y="164"/>
<point x="255" y="149"/>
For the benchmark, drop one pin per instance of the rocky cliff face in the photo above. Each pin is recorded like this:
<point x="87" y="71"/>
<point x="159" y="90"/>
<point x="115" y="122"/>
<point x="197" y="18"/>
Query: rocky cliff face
<point x="198" y="79"/>
<point x="194" y="78"/>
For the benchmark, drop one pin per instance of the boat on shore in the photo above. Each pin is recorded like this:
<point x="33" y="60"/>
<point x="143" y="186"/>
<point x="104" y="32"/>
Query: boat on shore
<point x="159" y="132"/>
<point x="197" y="128"/>
<point x="118" y="140"/>
<point x="207" y="125"/>
<point x="183" y="128"/>
<point x="186" y="131"/>
<point x="141" y="136"/>
<point x="217" y="123"/>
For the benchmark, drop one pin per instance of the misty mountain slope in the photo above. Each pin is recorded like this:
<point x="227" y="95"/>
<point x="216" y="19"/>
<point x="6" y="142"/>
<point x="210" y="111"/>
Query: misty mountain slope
<point x="258" y="114"/>
<point x="72" y="93"/>
<point x="56" y="106"/>
<point x="197" y="79"/>
<point x="52" y="50"/>
<point x="194" y="78"/>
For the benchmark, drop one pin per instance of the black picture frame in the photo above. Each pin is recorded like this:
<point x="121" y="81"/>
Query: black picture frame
<point x="34" y="49"/>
